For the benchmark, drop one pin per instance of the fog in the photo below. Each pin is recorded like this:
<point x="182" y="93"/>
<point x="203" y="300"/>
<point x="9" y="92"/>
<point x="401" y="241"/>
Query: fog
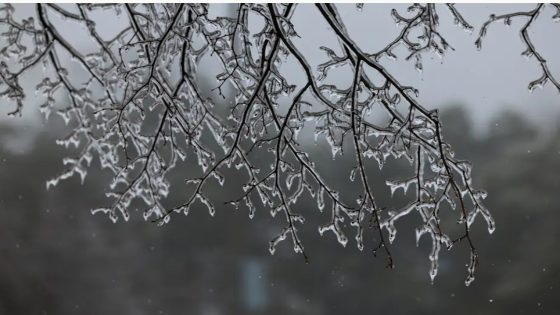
<point x="57" y="258"/>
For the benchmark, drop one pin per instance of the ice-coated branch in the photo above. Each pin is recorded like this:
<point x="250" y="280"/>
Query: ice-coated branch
<point x="135" y="105"/>
<point x="531" y="51"/>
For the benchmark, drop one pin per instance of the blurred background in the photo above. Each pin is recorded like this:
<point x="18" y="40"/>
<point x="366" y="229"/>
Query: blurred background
<point x="57" y="258"/>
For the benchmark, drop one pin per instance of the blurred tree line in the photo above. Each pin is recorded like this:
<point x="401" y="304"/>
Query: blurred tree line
<point x="56" y="258"/>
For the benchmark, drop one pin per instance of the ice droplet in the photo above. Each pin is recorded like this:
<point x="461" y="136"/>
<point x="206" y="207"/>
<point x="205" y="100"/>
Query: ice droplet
<point x="418" y="64"/>
<point x="528" y="53"/>
<point x="538" y="83"/>
<point x="478" y="44"/>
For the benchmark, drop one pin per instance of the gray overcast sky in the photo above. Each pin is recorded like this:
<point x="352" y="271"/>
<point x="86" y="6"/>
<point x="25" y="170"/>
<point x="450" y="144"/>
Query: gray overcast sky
<point x="488" y="81"/>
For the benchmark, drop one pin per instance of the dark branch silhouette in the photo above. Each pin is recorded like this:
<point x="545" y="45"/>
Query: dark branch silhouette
<point x="140" y="112"/>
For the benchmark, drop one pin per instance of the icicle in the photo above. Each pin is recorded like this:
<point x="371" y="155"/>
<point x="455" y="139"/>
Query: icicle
<point x="320" y="199"/>
<point x="275" y="241"/>
<point x="207" y="203"/>
<point x="471" y="269"/>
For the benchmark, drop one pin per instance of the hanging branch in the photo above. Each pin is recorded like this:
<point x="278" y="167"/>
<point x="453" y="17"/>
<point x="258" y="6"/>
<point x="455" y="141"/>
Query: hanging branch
<point x="137" y="108"/>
